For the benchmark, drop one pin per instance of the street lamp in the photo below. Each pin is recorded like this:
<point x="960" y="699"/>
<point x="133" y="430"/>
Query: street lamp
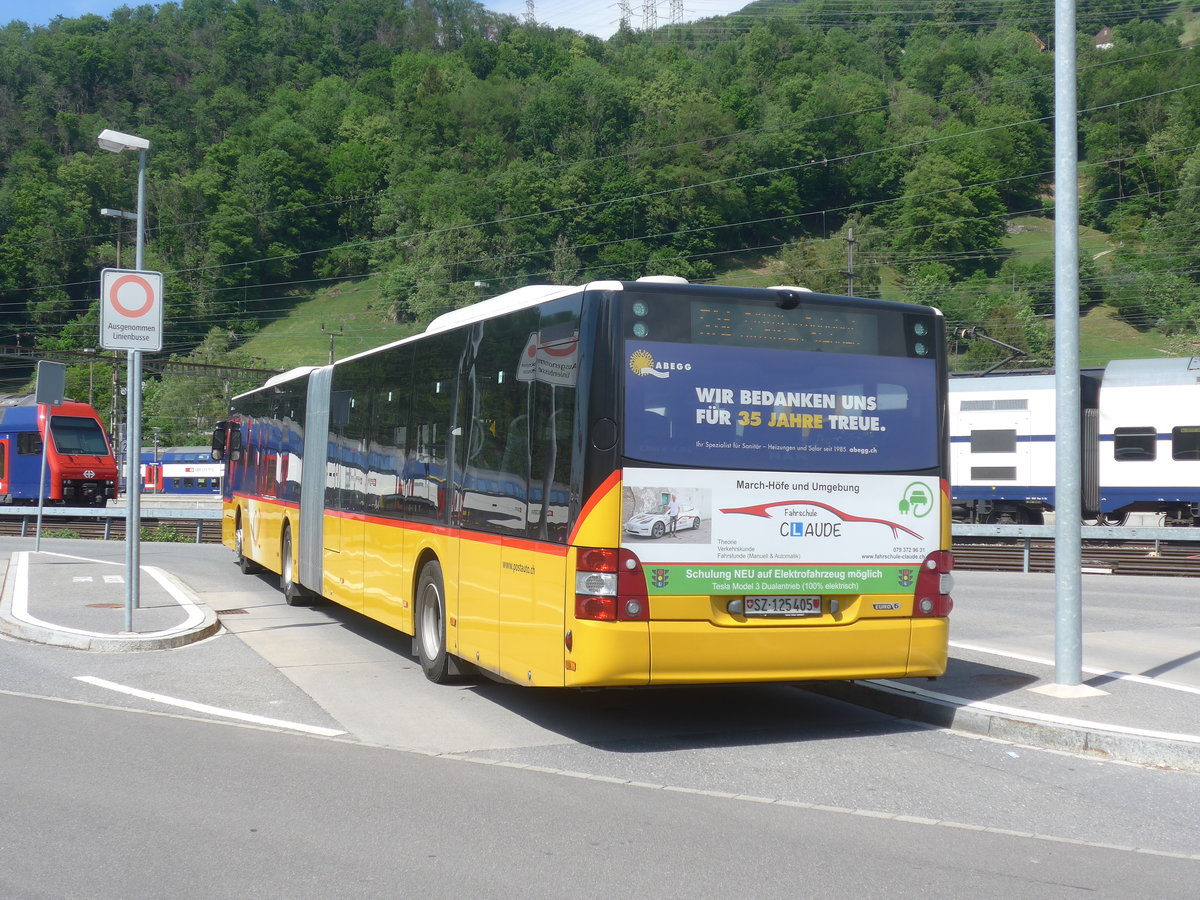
<point x="118" y="214"/>
<point x="116" y="142"/>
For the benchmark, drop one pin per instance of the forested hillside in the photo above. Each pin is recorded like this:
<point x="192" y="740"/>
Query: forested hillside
<point x="430" y="145"/>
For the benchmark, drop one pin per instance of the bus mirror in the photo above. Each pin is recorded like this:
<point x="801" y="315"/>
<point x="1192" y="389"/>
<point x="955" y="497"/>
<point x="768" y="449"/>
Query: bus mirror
<point x="235" y="443"/>
<point x="218" y="441"/>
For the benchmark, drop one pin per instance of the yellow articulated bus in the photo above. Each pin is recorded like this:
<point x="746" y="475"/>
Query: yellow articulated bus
<point x="624" y="483"/>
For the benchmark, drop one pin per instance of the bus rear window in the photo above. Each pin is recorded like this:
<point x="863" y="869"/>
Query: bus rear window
<point x="736" y="385"/>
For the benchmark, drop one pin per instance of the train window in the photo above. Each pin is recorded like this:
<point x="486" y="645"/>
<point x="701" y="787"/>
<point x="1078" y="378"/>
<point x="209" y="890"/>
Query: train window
<point x="1002" y="440"/>
<point x="993" y="473"/>
<point x="1185" y="442"/>
<point x="1133" y="444"/>
<point x="29" y="443"/>
<point x="978" y="405"/>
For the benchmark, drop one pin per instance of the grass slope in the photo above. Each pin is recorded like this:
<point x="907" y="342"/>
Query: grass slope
<point x="354" y="313"/>
<point x="301" y="338"/>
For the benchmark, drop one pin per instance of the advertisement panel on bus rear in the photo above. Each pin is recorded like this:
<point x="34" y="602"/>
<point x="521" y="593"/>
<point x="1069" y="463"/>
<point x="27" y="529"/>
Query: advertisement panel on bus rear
<point x="756" y="408"/>
<point x="717" y="532"/>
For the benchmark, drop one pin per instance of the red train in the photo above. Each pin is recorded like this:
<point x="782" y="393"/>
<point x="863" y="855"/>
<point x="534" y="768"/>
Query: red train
<point x="80" y="467"/>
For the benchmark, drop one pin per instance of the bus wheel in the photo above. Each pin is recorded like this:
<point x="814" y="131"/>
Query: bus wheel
<point x="431" y="623"/>
<point x="293" y="594"/>
<point x="248" y="566"/>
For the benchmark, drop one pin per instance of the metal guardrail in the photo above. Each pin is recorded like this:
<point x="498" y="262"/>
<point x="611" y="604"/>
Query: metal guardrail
<point x="1021" y="532"/>
<point x="199" y="515"/>
<point x="1028" y="533"/>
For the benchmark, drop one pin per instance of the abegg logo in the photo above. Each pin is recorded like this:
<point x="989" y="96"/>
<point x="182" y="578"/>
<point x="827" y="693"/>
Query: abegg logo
<point x="642" y="363"/>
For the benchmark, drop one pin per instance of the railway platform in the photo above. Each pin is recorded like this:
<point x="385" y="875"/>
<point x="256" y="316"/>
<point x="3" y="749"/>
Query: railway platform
<point x="1139" y="701"/>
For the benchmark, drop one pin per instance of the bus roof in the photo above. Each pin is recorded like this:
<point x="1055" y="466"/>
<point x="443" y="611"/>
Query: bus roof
<point x="522" y="297"/>
<point x="288" y="375"/>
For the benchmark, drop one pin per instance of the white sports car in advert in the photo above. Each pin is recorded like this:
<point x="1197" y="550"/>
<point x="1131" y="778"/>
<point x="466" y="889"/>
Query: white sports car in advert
<point x="658" y="523"/>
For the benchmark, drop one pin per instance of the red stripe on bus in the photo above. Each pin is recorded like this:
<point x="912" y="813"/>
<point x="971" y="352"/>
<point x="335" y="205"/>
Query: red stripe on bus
<point x="478" y="537"/>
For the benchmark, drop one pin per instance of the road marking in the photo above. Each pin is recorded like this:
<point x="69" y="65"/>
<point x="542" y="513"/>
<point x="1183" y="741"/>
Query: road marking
<point x="1091" y="670"/>
<point x="20" y="598"/>
<point x="701" y="792"/>
<point x="820" y="807"/>
<point x="205" y="708"/>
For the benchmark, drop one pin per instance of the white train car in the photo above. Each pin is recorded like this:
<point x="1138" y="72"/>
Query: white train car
<point x="1149" y="455"/>
<point x="1002" y="447"/>
<point x="1140" y="432"/>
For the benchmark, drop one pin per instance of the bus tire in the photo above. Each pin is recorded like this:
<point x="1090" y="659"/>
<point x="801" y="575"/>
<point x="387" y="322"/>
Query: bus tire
<point x="293" y="593"/>
<point x="247" y="565"/>
<point x="430" y="625"/>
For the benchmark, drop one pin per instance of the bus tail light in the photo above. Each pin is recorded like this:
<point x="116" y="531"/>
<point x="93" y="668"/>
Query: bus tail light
<point x="934" y="583"/>
<point x="610" y="586"/>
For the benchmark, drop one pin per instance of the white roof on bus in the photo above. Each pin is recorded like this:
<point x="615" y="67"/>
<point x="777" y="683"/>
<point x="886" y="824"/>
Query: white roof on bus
<point x="521" y="298"/>
<point x="297" y="372"/>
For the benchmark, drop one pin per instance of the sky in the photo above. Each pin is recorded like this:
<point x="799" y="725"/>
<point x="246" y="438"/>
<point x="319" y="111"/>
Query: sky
<point x="598" y="18"/>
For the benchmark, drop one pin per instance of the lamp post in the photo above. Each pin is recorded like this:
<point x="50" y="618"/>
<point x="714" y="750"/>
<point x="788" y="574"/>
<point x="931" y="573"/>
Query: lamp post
<point x="118" y="214"/>
<point x="116" y="142"/>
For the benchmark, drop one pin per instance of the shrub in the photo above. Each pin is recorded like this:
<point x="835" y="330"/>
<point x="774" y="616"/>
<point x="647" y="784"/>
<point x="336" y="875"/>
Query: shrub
<point x="164" y="533"/>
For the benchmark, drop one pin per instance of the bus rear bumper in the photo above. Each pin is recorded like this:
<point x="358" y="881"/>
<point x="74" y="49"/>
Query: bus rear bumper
<point x="695" y="652"/>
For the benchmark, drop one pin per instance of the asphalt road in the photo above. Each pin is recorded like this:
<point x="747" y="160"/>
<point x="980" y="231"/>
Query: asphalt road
<point x="495" y="790"/>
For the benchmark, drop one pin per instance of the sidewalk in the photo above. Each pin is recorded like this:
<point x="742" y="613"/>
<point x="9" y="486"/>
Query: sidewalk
<point x="73" y="601"/>
<point x="1013" y="697"/>
<point x="989" y="690"/>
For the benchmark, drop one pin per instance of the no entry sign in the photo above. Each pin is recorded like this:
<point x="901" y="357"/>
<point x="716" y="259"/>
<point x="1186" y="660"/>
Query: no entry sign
<point x="131" y="310"/>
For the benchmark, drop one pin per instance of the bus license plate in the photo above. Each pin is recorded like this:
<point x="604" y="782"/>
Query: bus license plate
<point x="783" y="606"/>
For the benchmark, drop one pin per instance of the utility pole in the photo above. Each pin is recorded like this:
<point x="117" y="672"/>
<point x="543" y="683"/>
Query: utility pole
<point x="332" y="335"/>
<point x="850" y="242"/>
<point x="650" y="14"/>
<point x="626" y="14"/>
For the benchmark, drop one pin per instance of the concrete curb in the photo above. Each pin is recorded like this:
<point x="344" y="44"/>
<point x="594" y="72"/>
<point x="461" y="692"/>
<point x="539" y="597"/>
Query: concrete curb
<point x="1143" y="747"/>
<point x="45" y="633"/>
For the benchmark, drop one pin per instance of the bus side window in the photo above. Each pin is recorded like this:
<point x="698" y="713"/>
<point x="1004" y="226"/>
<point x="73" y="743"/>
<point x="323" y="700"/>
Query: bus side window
<point x="496" y="493"/>
<point x="391" y="404"/>
<point x="427" y="467"/>
<point x="552" y="431"/>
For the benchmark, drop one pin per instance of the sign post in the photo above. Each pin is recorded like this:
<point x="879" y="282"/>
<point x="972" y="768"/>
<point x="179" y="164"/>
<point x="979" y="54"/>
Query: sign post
<point x="131" y="319"/>
<point x="51" y="390"/>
